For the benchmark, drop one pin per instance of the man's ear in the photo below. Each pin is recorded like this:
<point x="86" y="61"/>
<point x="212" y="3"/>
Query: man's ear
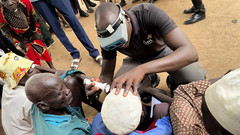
<point x="44" y="107"/>
<point x="127" y="17"/>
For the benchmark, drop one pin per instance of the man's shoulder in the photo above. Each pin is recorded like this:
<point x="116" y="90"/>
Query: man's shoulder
<point x="17" y="91"/>
<point x="143" y="6"/>
<point x="185" y="95"/>
<point x="195" y="87"/>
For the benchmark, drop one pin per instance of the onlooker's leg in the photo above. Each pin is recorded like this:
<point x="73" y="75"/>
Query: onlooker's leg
<point x="198" y="10"/>
<point x="49" y="14"/>
<point x="64" y="7"/>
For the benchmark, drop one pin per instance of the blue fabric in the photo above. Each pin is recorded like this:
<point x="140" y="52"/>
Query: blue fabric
<point x="163" y="127"/>
<point x="47" y="9"/>
<point x="71" y="72"/>
<point x="56" y="119"/>
<point x="77" y="125"/>
<point x="33" y="0"/>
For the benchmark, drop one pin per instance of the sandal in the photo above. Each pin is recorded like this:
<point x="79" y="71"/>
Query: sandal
<point x="99" y="60"/>
<point x="75" y="63"/>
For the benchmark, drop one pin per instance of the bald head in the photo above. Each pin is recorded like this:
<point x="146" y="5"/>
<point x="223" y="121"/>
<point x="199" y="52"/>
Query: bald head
<point x="106" y="14"/>
<point x="38" y="86"/>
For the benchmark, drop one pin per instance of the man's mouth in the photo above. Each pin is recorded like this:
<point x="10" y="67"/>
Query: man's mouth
<point x="69" y="98"/>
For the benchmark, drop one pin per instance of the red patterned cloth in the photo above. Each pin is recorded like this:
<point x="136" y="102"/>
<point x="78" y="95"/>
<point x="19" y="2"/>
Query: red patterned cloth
<point x="32" y="53"/>
<point x="185" y="111"/>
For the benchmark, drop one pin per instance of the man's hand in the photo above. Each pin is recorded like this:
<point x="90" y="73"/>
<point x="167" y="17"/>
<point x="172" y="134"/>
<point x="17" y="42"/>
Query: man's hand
<point x="131" y="79"/>
<point x="91" y="90"/>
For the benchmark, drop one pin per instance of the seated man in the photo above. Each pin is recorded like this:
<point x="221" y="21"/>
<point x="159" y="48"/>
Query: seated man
<point x="202" y="108"/>
<point x="15" y="71"/>
<point x="122" y="115"/>
<point x="51" y="113"/>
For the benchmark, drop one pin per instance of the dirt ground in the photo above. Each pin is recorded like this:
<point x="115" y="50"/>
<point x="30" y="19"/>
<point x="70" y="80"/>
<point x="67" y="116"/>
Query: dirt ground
<point x="217" y="40"/>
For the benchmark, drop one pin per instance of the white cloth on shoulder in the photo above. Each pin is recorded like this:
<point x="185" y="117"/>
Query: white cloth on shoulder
<point x="16" y="117"/>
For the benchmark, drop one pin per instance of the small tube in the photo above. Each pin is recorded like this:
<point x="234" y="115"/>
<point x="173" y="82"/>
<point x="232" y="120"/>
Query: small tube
<point x="103" y="86"/>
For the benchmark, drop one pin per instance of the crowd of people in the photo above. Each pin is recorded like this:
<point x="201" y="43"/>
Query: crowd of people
<point x="47" y="101"/>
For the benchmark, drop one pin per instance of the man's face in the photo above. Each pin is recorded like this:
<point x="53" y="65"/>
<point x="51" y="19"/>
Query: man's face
<point x="211" y="124"/>
<point x="57" y="95"/>
<point x="10" y="4"/>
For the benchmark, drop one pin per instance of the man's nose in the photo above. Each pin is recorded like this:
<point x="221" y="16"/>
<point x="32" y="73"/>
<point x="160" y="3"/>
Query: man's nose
<point x="67" y="92"/>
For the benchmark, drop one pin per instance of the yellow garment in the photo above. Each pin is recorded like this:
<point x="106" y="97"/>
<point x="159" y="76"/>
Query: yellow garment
<point x="13" y="68"/>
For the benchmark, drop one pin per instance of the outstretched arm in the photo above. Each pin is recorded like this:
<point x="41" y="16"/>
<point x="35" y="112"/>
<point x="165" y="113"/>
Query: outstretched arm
<point x="108" y="68"/>
<point x="183" y="54"/>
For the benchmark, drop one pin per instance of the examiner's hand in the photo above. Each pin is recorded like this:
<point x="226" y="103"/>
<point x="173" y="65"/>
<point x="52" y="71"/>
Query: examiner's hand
<point x="131" y="79"/>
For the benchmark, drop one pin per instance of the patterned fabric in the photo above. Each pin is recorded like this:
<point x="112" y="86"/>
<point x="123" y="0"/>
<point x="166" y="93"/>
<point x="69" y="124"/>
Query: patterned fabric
<point x="26" y="8"/>
<point x="13" y="68"/>
<point x="35" y="49"/>
<point x="185" y="111"/>
<point x="16" y="19"/>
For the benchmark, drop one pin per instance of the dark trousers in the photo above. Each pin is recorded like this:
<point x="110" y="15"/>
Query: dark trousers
<point x="198" y="5"/>
<point x="47" y="9"/>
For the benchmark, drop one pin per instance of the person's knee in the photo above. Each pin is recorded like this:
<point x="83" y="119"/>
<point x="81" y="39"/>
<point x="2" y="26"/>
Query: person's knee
<point x="160" y="110"/>
<point x="71" y="82"/>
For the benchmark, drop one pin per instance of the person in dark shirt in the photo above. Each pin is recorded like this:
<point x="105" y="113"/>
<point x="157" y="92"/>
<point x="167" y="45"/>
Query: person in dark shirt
<point x="152" y="42"/>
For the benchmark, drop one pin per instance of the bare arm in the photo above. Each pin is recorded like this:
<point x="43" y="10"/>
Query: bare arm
<point x="157" y="93"/>
<point x="183" y="54"/>
<point x="108" y="68"/>
<point x="45" y="69"/>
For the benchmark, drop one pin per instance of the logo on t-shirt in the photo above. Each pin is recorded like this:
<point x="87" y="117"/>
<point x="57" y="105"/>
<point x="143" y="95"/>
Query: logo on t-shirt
<point x="149" y="40"/>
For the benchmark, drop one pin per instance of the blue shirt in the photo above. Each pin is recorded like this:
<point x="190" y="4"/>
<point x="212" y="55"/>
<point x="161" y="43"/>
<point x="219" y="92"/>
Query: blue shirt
<point x="56" y="119"/>
<point x="76" y="125"/>
<point x="162" y="127"/>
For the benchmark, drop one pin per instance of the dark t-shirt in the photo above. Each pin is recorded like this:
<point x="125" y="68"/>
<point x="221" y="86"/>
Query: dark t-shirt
<point x="149" y="25"/>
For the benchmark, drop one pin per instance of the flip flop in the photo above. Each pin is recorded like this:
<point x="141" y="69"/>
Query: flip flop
<point x="75" y="63"/>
